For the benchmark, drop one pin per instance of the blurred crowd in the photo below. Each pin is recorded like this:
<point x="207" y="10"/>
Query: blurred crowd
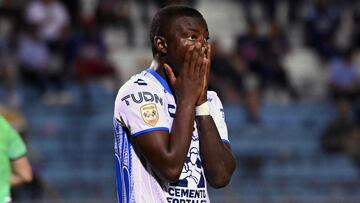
<point x="45" y="45"/>
<point x="256" y="65"/>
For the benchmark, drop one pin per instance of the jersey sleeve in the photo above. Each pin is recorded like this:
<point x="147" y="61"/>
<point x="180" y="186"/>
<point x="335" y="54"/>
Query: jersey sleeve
<point x="139" y="107"/>
<point x="16" y="146"/>
<point x="218" y="115"/>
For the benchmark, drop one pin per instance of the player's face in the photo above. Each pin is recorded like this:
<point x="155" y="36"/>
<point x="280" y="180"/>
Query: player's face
<point x="184" y="32"/>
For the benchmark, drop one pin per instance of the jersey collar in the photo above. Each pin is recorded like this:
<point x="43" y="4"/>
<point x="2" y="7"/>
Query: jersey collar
<point x="160" y="79"/>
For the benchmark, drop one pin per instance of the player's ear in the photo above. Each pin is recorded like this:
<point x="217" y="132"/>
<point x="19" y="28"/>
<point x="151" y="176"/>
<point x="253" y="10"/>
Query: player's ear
<point x="160" y="44"/>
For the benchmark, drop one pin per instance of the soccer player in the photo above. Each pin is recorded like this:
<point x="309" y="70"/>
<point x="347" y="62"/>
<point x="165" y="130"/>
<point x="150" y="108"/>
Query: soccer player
<point x="170" y="134"/>
<point x="14" y="166"/>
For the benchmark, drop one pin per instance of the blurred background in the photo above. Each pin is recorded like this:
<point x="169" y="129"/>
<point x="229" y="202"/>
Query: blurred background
<point x="287" y="72"/>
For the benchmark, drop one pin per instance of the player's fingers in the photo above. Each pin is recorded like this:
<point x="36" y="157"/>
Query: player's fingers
<point x="205" y="74"/>
<point x="170" y="74"/>
<point x="199" y="66"/>
<point x="208" y="54"/>
<point x="207" y="61"/>
<point x="200" y="61"/>
<point x="204" y="66"/>
<point x="187" y="59"/>
<point x="194" y="57"/>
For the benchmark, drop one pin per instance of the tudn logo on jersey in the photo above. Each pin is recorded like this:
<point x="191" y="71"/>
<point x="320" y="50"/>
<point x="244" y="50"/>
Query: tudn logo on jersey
<point x="150" y="114"/>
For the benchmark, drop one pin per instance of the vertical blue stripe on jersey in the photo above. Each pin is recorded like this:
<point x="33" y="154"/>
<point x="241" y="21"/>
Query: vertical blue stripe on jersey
<point x="117" y="133"/>
<point x="117" y="160"/>
<point x="118" y="179"/>
<point x="123" y="163"/>
<point x="125" y="167"/>
<point x="160" y="79"/>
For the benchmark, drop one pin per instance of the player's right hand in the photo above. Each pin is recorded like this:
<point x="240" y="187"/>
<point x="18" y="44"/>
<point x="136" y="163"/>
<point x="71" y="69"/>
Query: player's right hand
<point x="189" y="82"/>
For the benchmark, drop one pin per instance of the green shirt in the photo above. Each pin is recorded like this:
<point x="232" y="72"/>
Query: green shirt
<point x="12" y="147"/>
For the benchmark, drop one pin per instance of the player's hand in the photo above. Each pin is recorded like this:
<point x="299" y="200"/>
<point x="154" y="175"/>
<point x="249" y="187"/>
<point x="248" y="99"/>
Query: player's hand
<point x="206" y="65"/>
<point x="189" y="83"/>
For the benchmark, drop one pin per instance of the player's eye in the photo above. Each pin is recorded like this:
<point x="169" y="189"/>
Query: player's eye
<point x="192" y="37"/>
<point x="207" y="39"/>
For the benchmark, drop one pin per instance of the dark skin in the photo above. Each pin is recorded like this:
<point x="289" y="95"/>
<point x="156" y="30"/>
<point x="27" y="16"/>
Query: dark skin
<point x="185" y="54"/>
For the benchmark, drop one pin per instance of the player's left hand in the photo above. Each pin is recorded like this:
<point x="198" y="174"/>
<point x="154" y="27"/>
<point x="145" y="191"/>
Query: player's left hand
<point x="206" y="63"/>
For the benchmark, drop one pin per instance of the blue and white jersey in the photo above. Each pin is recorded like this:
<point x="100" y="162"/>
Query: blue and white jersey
<point x="145" y="103"/>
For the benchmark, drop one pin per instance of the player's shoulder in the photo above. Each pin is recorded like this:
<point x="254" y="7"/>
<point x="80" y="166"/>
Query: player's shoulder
<point x="139" y="82"/>
<point x="140" y="86"/>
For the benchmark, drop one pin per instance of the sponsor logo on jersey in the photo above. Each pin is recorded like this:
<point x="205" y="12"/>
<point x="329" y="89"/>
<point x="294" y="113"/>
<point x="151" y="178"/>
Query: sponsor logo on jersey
<point x="149" y="113"/>
<point x="183" y="195"/>
<point x="191" y="184"/>
<point x="140" y="97"/>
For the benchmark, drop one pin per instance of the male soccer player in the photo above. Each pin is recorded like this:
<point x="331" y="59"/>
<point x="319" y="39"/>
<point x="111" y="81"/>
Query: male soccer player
<point x="170" y="134"/>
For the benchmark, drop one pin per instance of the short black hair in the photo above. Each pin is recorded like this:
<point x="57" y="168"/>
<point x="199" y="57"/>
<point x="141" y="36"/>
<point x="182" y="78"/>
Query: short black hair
<point x="164" y="17"/>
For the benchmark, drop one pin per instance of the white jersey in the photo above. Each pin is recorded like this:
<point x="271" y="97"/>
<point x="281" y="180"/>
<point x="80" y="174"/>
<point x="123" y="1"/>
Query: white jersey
<point x="145" y="103"/>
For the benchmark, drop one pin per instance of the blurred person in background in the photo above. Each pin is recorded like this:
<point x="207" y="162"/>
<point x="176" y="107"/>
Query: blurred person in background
<point x="87" y="53"/>
<point x="344" y="83"/>
<point x="15" y="169"/>
<point x="52" y="21"/>
<point x="322" y="22"/>
<point x="263" y="73"/>
<point x="34" y="58"/>
<point x="9" y="27"/>
<point x="337" y="133"/>
<point x="8" y="78"/>
<point x="116" y="13"/>
<point x="223" y="76"/>
<point x="344" y="80"/>
<point x="248" y="49"/>
<point x="275" y="46"/>
<point x="51" y="17"/>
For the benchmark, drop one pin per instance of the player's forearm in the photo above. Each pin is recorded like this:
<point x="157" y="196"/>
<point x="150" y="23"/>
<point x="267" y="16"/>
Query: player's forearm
<point x="180" y="137"/>
<point x="217" y="159"/>
<point x="167" y="152"/>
